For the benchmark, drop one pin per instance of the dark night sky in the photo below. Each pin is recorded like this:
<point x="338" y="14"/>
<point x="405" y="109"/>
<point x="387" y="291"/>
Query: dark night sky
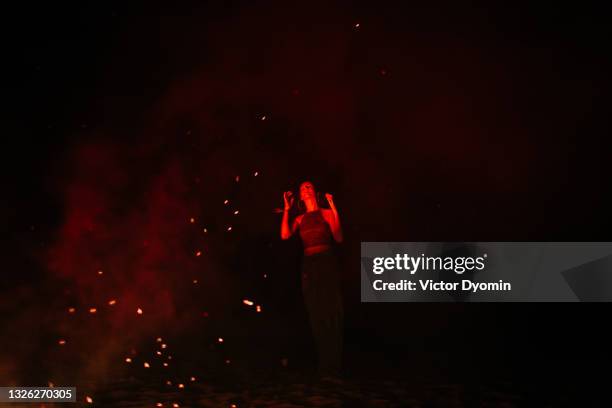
<point x="430" y="122"/>
<point x="535" y="77"/>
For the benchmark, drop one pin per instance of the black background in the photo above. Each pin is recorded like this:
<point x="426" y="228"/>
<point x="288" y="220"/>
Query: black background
<point x="74" y="70"/>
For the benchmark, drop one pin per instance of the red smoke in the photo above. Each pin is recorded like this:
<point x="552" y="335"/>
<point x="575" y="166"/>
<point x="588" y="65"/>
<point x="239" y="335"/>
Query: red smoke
<point x="425" y="125"/>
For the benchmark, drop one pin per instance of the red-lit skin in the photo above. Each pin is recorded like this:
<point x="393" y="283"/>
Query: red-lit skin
<point x="308" y="196"/>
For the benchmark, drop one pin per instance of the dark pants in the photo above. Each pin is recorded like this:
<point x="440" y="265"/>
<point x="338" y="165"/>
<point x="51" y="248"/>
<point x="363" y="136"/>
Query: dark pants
<point x="321" y="286"/>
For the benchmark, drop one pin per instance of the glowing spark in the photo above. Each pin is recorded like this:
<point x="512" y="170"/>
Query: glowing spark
<point x="181" y="385"/>
<point x="265" y="275"/>
<point x="258" y="309"/>
<point x="263" y="117"/>
<point x="146" y="365"/>
<point x="205" y="230"/>
<point x="236" y="212"/>
<point x="169" y="357"/>
<point x="237" y="179"/>
<point x="229" y="228"/>
<point x="139" y="311"/>
<point x="225" y="202"/>
<point x="100" y="272"/>
<point x="233" y="406"/>
<point x="195" y="281"/>
<point x="62" y="342"/>
<point x="164" y="346"/>
<point x="93" y="310"/>
<point x="128" y="360"/>
<point x="198" y="253"/>
<point x="192" y="220"/>
<point x="175" y="405"/>
<point x="158" y="353"/>
<point x="71" y="310"/>
<point x="247" y="302"/>
<point x="165" y="364"/>
<point x="227" y="361"/>
<point x="159" y="404"/>
<point x="159" y="340"/>
<point x="357" y="25"/>
<point x="256" y="173"/>
<point x="51" y="385"/>
<point x="89" y="399"/>
<point x="112" y="302"/>
<point x="168" y="382"/>
<point x="192" y="379"/>
<point x="220" y="339"/>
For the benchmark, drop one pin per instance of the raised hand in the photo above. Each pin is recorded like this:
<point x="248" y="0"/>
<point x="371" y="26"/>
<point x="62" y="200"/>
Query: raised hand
<point x="330" y="200"/>
<point x="288" y="198"/>
<point x="334" y="219"/>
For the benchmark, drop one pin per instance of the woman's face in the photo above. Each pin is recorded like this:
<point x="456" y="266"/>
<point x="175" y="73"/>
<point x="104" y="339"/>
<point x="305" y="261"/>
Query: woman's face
<point x="307" y="190"/>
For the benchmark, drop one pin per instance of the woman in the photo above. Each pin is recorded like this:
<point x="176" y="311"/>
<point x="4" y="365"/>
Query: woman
<point x="321" y="284"/>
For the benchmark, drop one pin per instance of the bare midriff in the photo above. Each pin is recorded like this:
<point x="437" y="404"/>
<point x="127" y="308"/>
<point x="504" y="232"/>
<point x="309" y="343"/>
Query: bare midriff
<point x="316" y="249"/>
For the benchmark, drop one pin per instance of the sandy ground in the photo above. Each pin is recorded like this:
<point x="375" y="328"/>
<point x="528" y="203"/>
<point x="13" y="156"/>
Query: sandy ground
<point x="30" y="355"/>
<point x="292" y="393"/>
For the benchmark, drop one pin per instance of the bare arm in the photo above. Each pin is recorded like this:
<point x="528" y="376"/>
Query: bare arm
<point x="287" y="232"/>
<point x="333" y="219"/>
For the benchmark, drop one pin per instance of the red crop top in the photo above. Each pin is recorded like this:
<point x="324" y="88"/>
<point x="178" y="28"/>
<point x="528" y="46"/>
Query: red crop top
<point x="314" y="230"/>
